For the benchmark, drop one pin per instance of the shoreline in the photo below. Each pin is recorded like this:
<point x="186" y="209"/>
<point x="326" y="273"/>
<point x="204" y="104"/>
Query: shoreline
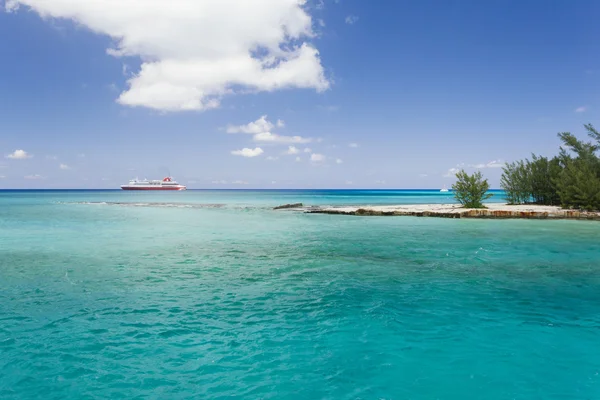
<point x="493" y="211"/>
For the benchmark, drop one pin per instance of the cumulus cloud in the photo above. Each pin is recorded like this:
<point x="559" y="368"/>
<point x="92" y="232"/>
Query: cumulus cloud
<point x="246" y="152"/>
<point x="315" y="157"/>
<point x="307" y="150"/>
<point x="194" y="52"/>
<point x="451" y="172"/>
<point x="581" y="109"/>
<point x="35" y="176"/>
<point x="353" y="145"/>
<point x="491" y="164"/>
<point x="292" y="150"/>
<point x="64" y="166"/>
<point x="19" y="155"/>
<point x="261" y="125"/>
<point x="274" y="138"/>
<point x="261" y="129"/>
<point x="339" y="161"/>
<point x="351" y="19"/>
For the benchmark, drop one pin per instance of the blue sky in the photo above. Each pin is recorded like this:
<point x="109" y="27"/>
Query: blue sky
<point x="389" y="94"/>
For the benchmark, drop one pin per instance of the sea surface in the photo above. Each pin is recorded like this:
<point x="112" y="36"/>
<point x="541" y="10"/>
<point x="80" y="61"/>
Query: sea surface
<point x="213" y="295"/>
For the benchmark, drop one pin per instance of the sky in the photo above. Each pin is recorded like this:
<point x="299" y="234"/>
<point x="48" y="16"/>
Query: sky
<point x="289" y="93"/>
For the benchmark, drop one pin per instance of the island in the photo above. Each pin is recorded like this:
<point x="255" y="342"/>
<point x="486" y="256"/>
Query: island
<point x="491" y="210"/>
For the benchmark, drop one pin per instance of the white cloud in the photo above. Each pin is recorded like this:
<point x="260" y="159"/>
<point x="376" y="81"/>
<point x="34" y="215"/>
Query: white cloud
<point x="307" y="150"/>
<point x="581" y="109"/>
<point x="353" y="145"/>
<point x="246" y="152"/>
<point x="259" y="126"/>
<point x="271" y="158"/>
<point x="292" y="150"/>
<point x="491" y="164"/>
<point x="35" y="176"/>
<point x="274" y="138"/>
<point x="221" y="182"/>
<point x="239" y="183"/>
<point x="495" y="164"/>
<point x="339" y="161"/>
<point x="53" y="158"/>
<point x="298" y="159"/>
<point x="351" y="19"/>
<point x="194" y="52"/>
<point x="262" y="131"/>
<point x="451" y="172"/>
<point x="64" y="166"/>
<point x="315" y="157"/>
<point x="19" y="155"/>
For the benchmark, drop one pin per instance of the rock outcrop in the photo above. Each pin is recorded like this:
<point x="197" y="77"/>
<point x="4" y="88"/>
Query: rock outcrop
<point x="288" y="206"/>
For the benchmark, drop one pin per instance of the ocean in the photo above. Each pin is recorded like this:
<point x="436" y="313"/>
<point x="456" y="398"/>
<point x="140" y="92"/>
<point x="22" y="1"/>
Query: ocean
<point x="213" y="295"/>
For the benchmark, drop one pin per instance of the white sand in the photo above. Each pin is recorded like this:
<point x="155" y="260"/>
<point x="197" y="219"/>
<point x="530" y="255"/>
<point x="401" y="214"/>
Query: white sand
<point x="493" y="210"/>
<point x="447" y="208"/>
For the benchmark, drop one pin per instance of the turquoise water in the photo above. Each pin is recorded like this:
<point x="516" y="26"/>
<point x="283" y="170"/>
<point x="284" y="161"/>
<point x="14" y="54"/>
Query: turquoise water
<point x="212" y="295"/>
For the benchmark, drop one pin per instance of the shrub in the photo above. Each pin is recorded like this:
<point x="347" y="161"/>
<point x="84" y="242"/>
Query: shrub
<point x="471" y="190"/>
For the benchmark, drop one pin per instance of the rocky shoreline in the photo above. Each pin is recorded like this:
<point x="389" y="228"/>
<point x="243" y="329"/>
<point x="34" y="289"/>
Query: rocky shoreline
<point x="493" y="211"/>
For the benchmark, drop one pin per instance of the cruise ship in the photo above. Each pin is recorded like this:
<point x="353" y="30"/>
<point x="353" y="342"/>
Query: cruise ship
<point x="166" y="184"/>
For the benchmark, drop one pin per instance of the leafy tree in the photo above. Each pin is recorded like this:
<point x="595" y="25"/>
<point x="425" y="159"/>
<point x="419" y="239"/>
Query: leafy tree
<point x="516" y="183"/>
<point x="471" y="190"/>
<point x="572" y="179"/>
<point x="578" y="184"/>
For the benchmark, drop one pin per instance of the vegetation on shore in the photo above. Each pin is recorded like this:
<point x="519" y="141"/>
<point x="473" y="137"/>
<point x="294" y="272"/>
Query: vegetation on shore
<point x="571" y="179"/>
<point x="471" y="190"/>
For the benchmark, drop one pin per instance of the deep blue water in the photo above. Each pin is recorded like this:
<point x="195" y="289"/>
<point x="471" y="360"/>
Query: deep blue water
<point x="212" y="295"/>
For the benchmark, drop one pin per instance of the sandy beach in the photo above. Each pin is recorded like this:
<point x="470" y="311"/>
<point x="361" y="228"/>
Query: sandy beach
<point x="493" y="210"/>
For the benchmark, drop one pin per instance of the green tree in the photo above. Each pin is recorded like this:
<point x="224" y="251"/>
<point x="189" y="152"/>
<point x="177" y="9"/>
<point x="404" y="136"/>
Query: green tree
<point x="578" y="184"/>
<point x="515" y="182"/>
<point x="471" y="190"/>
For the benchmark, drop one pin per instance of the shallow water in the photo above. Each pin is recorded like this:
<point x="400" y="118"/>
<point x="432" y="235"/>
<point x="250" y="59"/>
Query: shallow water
<point x="104" y="300"/>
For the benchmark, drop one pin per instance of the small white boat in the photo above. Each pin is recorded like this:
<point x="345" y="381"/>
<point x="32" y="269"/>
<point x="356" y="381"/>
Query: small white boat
<point x="444" y="189"/>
